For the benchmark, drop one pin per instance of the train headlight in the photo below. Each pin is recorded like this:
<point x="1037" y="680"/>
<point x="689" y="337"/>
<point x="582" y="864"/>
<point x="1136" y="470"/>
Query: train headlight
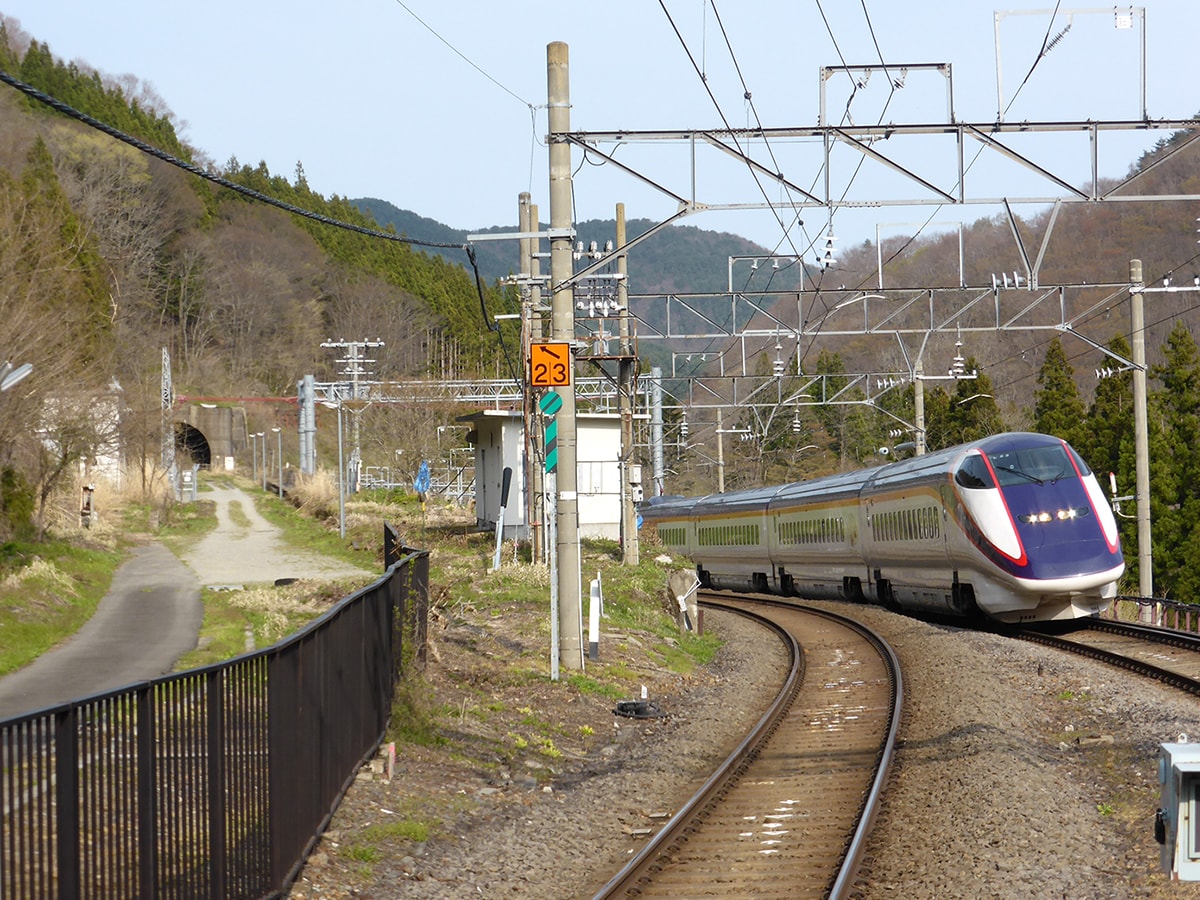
<point x="1061" y="515"/>
<point x="1034" y="518"/>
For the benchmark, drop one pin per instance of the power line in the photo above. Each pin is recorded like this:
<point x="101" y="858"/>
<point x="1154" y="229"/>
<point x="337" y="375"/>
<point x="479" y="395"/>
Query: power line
<point x="151" y="150"/>
<point x="716" y="104"/>
<point x="1047" y="45"/>
<point x="462" y="56"/>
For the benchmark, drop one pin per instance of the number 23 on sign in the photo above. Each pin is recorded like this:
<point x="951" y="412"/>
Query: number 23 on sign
<point x="550" y="365"/>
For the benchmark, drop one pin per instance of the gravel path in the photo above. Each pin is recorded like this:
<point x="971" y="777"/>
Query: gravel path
<point x="250" y="550"/>
<point x="1022" y="773"/>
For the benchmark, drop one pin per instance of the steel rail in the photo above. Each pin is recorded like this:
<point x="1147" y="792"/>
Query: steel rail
<point x="638" y="875"/>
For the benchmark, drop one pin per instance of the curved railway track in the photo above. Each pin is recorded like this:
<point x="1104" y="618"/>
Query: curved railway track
<point x="786" y="814"/>
<point x="1171" y="657"/>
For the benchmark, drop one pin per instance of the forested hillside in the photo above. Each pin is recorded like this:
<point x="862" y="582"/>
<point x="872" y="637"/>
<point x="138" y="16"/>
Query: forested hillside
<point x="680" y="258"/>
<point x="108" y="255"/>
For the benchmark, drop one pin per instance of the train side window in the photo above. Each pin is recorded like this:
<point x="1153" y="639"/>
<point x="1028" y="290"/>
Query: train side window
<point x="1078" y="460"/>
<point x="973" y="473"/>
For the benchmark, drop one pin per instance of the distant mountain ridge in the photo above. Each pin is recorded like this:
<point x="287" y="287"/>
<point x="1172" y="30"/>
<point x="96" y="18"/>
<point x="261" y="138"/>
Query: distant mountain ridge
<point x="680" y="258"/>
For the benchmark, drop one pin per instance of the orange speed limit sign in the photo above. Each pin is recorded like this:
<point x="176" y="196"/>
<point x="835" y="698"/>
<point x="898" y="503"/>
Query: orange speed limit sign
<point x="550" y="365"/>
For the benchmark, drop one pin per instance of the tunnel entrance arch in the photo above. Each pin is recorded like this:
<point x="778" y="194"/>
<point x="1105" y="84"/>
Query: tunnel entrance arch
<point x="191" y="442"/>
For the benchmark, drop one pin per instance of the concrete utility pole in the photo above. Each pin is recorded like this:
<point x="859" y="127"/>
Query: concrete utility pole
<point x="306" y="390"/>
<point x="530" y="314"/>
<point x="656" y="430"/>
<point x="919" y="407"/>
<point x="562" y="323"/>
<point x="1141" y="438"/>
<point x="168" y="418"/>
<point x="625" y="376"/>
<point x="537" y="329"/>
<point x="720" y="455"/>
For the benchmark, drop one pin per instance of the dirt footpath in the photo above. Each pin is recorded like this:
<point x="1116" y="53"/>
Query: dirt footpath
<point x="253" y="552"/>
<point x="152" y="613"/>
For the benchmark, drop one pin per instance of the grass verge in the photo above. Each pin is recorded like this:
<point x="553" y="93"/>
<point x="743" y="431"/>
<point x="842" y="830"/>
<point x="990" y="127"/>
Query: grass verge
<point x="47" y="592"/>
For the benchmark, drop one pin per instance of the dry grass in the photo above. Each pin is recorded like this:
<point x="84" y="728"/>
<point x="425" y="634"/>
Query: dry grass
<point x="276" y="611"/>
<point x="316" y="495"/>
<point x="43" y="573"/>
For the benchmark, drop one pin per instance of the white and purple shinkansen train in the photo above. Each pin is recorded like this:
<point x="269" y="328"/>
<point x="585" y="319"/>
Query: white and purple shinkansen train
<point x="1014" y="527"/>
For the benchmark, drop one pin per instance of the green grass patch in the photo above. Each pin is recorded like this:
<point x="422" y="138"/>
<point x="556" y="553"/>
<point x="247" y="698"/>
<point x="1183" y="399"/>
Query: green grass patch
<point x="47" y="592"/>
<point x="365" y="846"/>
<point x="406" y="830"/>
<point x="588" y="685"/>
<point x="223" y="634"/>
<point x="238" y="516"/>
<point x="185" y="524"/>
<point x="362" y="548"/>
<point x="239" y="621"/>
<point x="414" y="715"/>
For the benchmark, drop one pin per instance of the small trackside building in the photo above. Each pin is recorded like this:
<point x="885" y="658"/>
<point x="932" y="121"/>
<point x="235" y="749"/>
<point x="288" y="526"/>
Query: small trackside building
<point x="498" y="436"/>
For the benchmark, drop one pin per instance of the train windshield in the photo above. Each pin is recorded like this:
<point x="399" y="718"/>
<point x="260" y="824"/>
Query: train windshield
<point x="1033" y="465"/>
<point x="1036" y="465"/>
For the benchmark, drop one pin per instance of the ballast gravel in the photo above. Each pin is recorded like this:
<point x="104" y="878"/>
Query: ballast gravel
<point x="1021" y="772"/>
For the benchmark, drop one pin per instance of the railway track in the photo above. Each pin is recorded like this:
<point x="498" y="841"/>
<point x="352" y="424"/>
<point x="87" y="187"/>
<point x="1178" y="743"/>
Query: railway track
<point x="786" y="814"/>
<point x="1169" y="656"/>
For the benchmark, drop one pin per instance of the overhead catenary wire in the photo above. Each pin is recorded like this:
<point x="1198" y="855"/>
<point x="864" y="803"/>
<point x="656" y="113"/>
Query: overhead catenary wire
<point x="463" y="56"/>
<point x="701" y="72"/>
<point x="716" y="104"/>
<point x="1047" y="45"/>
<point x="533" y="108"/>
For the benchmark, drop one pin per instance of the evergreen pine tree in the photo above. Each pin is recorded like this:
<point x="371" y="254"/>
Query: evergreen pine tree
<point x="1174" y="427"/>
<point x="973" y="412"/>
<point x="1107" y="446"/>
<point x="1058" y="408"/>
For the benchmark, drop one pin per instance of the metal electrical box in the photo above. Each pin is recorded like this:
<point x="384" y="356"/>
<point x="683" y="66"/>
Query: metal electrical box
<point x="1177" y="824"/>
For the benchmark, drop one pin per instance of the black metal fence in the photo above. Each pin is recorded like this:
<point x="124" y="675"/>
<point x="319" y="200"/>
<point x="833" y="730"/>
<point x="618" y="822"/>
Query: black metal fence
<point x="1170" y="614"/>
<point x="215" y="782"/>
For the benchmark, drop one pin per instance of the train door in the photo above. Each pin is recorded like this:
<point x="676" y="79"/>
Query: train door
<point x="871" y="576"/>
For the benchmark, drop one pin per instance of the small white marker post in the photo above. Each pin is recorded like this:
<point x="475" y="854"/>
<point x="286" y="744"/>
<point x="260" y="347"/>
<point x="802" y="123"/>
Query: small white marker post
<point x="594" y="620"/>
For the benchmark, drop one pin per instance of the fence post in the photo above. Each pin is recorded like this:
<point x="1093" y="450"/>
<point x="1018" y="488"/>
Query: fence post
<point x="66" y="798"/>
<point x="217" y="844"/>
<point x="147" y="788"/>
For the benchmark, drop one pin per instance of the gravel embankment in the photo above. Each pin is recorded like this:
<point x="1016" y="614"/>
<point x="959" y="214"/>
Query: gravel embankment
<point x="1022" y="773"/>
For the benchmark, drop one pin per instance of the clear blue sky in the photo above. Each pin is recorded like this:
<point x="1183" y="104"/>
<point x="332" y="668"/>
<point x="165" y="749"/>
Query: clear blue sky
<point x="374" y="103"/>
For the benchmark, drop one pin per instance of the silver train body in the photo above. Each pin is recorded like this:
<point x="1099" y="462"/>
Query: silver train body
<point x="1014" y="527"/>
